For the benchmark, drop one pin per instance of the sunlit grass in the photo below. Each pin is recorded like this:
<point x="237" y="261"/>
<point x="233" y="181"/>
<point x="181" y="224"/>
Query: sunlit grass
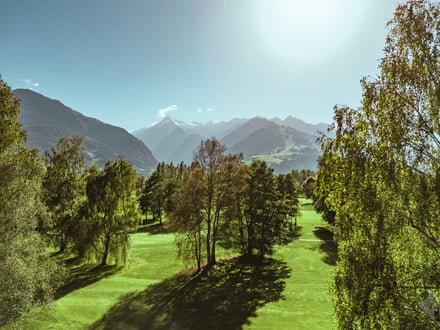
<point x="307" y="303"/>
<point x="289" y="291"/>
<point x="152" y="258"/>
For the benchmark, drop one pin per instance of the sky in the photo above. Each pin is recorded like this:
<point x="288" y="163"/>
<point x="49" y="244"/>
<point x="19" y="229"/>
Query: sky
<point x="130" y="63"/>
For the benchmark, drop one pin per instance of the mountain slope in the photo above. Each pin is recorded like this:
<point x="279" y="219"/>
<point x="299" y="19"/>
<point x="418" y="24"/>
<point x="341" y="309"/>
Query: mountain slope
<point x="259" y="142"/>
<point x="283" y="147"/>
<point x="47" y="120"/>
<point x="169" y="144"/>
<point x="243" y="131"/>
<point x="301" y="125"/>
<point x="184" y="152"/>
<point x="153" y="136"/>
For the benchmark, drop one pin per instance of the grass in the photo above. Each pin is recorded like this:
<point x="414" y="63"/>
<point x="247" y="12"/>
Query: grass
<point x="288" y="291"/>
<point x="152" y="258"/>
<point x="307" y="303"/>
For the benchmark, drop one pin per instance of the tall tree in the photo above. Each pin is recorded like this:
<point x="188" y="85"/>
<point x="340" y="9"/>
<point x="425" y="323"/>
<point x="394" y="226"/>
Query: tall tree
<point x="112" y="209"/>
<point x="27" y="275"/>
<point x="219" y="172"/>
<point x="200" y="207"/>
<point x="64" y="190"/>
<point x="382" y="173"/>
<point x="266" y="211"/>
<point x="187" y="218"/>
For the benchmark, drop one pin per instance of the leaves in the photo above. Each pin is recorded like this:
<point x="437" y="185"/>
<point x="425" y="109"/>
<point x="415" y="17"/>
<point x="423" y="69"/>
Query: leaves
<point x="379" y="175"/>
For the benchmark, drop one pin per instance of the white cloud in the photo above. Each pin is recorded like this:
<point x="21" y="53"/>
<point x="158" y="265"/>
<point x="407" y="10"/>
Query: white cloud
<point x="200" y="110"/>
<point x="162" y="113"/>
<point x="30" y="84"/>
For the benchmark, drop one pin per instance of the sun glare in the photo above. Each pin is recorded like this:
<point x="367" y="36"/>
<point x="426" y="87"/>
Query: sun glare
<point x="307" y="31"/>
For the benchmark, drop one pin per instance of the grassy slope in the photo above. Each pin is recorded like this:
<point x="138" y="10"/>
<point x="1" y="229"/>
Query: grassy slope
<point x="152" y="258"/>
<point x="306" y="304"/>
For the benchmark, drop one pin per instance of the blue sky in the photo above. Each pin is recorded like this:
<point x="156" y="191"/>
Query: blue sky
<point x="128" y="63"/>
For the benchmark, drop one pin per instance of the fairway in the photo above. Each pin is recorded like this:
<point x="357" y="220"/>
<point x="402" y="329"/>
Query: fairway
<point x="307" y="301"/>
<point x="290" y="291"/>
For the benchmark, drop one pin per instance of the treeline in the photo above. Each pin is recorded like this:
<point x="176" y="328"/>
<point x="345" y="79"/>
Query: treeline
<point x="379" y="184"/>
<point x="54" y="202"/>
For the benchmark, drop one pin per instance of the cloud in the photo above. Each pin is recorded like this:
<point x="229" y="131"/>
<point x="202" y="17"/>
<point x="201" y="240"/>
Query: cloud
<point x="200" y="110"/>
<point x="162" y="113"/>
<point x="30" y="84"/>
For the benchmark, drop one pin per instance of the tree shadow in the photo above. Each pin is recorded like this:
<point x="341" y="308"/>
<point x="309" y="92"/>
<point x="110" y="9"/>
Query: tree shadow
<point x="84" y="275"/>
<point x="328" y="245"/>
<point x="223" y="297"/>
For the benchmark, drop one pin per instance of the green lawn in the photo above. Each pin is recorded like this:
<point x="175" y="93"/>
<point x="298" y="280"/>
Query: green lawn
<point x="152" y="258"/>
<point x="307" y="301"/>
<point x="289" y="291"/>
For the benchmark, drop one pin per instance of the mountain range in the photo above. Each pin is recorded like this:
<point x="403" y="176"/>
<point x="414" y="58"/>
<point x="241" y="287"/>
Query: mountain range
<point x="47" y="120"/>
<point x="284" y="144"/>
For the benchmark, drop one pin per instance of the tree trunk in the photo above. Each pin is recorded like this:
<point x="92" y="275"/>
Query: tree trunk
<point x="106" y="249"/>
<point x="63" y="243"/>
<point x="208" y="241"/>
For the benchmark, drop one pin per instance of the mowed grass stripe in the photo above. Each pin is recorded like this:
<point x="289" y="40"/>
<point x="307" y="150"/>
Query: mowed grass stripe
<point x="307" y="300"/>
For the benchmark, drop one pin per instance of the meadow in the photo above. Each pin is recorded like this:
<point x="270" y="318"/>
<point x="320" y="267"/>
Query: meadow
<point x="155" y="290"/>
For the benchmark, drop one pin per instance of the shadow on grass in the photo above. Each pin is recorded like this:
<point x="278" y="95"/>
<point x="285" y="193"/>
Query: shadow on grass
<point x="221" y="298"/>
<point x="84" y="275"/>
<point x="328" y="245"/>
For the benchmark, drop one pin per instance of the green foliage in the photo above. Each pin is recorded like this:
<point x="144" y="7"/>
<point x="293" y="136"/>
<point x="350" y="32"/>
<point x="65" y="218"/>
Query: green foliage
<point x="27" y="276"/>
<point x="268" y="203"/>
<point x="200" y="208"/>
<point x="64" y="193"/>
<point x="224" y="201"/>
<point x="381" y="175"/>
<point x="158" y="189"/>
<point x="187" y="218"/>
<point x="10" y="128"/>
<point x="112" y="210"/>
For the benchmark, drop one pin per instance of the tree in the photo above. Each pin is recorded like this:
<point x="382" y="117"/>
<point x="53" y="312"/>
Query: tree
<point x="381" y="177"/>
<point x="64" y="191"/>
<point x="200" y="208"/>
<point x="10" y="127"/>
<point x="265" y="211"/>
<point x="289" y="194"/>
<point x="156" y="196"/>
<point x="187" y="218"/>
<point x="112" y="209"/>
<point x="320" y="193"/>
<point x="27" y="276"/>
<point x="219" y="172"/>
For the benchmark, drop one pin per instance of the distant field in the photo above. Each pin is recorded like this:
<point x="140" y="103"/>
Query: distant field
<point x="289" y="291"/>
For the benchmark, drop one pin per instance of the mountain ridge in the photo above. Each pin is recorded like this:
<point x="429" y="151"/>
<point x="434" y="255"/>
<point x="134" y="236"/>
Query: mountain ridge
<point x="46" y="120"/>
<point x="276" y="141"/>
